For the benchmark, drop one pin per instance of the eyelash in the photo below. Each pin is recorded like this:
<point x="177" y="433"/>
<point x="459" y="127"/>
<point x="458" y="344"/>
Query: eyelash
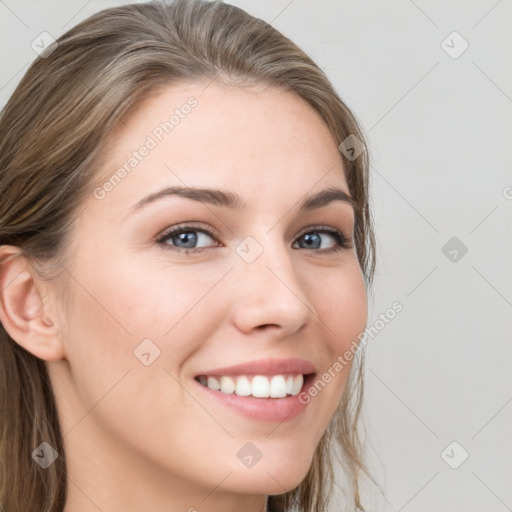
<point x="342" y="242"/>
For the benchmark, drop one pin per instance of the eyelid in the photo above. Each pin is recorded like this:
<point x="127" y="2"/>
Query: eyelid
<point x="184" y="226"/>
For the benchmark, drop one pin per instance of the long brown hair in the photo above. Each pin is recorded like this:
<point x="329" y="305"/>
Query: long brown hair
<point x="52" y="131"/>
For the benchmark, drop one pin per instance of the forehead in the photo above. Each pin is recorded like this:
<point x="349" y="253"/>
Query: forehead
<point x="261" y="139"/>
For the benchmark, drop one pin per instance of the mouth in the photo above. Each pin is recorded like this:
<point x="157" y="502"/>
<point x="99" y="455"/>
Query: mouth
<point x="261" y="398"/>
<point x="278" y="386"/>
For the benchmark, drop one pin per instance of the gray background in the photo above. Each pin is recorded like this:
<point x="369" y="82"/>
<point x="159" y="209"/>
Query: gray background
<point x="439" y="129"/>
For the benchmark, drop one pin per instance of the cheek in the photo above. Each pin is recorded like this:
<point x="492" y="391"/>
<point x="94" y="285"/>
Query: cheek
<point x="341" y="304"/>
<point x="176" y="308"/>
<point x="122" y="317"/>
<point x="175" y="305"/>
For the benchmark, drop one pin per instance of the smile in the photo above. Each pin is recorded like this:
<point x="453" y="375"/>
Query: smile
<point x="258" y="386"/>
<point x="258" y="404"/>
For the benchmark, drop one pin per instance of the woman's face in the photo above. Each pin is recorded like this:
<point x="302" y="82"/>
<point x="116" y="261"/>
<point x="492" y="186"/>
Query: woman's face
<point x="150" y="313"/>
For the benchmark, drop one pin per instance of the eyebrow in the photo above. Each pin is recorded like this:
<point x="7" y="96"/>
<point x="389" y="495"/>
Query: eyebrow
<point x="233" y="201"/>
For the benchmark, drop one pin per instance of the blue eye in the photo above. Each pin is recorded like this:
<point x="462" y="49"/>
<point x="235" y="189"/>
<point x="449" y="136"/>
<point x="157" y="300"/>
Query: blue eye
<point x="185" y="238"/>
<point x="313" y="236"/>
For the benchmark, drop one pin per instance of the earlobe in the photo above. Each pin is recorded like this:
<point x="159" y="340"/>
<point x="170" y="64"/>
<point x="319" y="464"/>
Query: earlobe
<point x="23" y="312"/>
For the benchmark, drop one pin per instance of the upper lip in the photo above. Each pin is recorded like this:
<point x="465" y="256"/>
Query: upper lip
<point x="264" y="367"/>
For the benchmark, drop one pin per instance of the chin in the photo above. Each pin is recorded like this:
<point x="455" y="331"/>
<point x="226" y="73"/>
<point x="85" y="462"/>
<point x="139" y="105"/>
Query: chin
<point x="269" y="479"/>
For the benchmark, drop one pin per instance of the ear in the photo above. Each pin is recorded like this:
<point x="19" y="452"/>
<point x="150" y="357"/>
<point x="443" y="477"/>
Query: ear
<point x="25" y="315"/>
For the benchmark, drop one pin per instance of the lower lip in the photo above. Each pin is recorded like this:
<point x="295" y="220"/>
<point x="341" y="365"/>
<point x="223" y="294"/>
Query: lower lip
<point x="262" y="409"/>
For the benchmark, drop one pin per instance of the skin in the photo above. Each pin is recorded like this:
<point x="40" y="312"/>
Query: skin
<point x="141" y="437"/>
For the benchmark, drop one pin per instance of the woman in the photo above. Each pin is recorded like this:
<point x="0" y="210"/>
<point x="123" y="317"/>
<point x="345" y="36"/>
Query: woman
<point x="186" y="250"/>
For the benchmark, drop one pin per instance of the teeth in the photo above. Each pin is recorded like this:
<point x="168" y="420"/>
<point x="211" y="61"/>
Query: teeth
<point x="243" y="386"/>
<point x="213" y="383"/>
<point x="260" y="387"/>
<point x="297" y="384"/>
<point x="277" y="386"/>
<point x="289" y="384"/>
<point x="227" y="385"/>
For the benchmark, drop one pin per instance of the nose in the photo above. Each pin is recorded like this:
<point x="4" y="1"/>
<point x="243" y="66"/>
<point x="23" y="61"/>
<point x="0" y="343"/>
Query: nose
<point x="270" y="292"/>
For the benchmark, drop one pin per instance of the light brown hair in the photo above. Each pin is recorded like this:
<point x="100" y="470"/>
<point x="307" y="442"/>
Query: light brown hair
<point x="52" y="131"/>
